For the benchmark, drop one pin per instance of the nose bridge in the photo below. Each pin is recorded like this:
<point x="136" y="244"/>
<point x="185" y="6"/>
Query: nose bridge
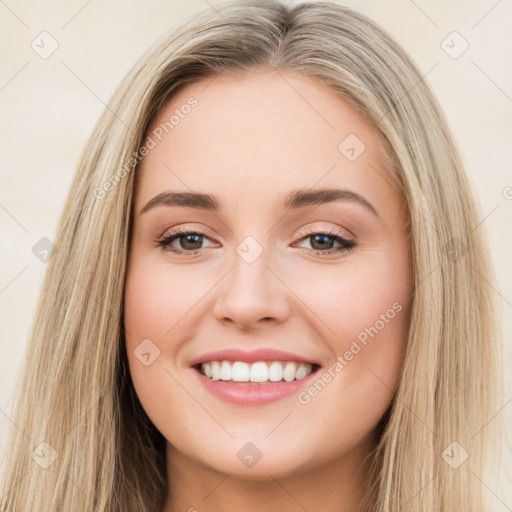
<point x="250" y="268"/>
<point x="251" y="292"/>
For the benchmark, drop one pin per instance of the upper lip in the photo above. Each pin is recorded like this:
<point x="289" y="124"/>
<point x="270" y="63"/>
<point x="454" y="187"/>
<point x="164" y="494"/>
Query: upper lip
<point x="251" y="356"/>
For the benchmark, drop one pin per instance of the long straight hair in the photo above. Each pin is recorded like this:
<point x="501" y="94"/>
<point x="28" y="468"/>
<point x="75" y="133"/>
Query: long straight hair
<point x="76" y="402"/>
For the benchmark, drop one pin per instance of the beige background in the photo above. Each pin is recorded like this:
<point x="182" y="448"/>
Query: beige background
<point x="49" y="106"/>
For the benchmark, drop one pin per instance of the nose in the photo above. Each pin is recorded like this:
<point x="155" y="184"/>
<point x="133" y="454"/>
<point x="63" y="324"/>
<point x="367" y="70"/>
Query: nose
<point x="252" y="295"/>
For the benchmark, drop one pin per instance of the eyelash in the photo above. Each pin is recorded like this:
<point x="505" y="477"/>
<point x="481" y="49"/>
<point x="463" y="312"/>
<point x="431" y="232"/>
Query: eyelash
<point x="346" y="245"/>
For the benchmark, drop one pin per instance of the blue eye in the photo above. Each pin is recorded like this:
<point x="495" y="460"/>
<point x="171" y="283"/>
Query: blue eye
<point x="188" y="241"/>
<point x="321" y="242"/>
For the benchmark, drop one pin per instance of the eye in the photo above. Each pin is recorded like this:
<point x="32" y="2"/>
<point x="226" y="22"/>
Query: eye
<point x="189" y="240"/>
<point x="321" y="242"/>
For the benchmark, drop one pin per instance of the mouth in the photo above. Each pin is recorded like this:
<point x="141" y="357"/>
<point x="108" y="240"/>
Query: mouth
<point x="256" y="377"/>
<point x="256" y="373"/>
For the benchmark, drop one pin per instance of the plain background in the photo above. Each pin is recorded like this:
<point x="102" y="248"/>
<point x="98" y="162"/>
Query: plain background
<point x="49" y="107"/>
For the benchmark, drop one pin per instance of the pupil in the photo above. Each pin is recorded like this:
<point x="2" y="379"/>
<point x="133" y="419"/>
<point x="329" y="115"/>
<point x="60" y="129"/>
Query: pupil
<point x="317" y="239"/>
<point x="187" y="237"/>
<point x="322" y="244"/>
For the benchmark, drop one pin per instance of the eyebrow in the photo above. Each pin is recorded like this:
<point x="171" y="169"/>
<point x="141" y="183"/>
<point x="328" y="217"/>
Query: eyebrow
<point x="295" y="199"/>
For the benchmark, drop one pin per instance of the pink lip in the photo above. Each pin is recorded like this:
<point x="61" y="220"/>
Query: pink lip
<point x="252" y="394"/>
<point x="261" y="354"/>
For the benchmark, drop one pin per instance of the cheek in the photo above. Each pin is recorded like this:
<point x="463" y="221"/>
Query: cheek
<point x="366" y="296"/>
<point x="372" y="304"/>
<point x="365" y="306"/>
<point x="352" y="393"/>
<point x="152" y="308"/>
<point x="163" y="304"/>
<point x="157" y="299"/>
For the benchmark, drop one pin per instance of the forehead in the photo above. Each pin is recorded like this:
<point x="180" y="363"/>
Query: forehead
<point x="257" y="133"/>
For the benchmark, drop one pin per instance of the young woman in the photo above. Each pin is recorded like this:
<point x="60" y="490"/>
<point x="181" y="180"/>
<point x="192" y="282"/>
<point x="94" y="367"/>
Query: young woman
<point x="269" y="288"/>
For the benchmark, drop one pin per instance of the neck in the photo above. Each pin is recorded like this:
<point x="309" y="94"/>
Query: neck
<point x="339" y="485"/>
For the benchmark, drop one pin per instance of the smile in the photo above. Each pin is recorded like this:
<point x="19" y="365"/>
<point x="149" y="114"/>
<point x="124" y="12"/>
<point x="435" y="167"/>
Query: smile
<point x="252" y="384"/>
<point x="259" y="372"/>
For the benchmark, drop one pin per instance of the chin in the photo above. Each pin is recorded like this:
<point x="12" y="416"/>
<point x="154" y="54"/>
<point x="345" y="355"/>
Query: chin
<point x="258" y="459"/>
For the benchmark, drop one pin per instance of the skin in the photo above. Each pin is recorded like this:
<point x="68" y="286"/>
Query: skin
<point x="251" y="140"/>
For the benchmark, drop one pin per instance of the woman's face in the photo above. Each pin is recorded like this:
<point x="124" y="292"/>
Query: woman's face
<point x="299" y="254"/>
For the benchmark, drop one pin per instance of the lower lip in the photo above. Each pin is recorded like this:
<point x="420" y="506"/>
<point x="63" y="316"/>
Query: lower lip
<point x="252" y="394"/>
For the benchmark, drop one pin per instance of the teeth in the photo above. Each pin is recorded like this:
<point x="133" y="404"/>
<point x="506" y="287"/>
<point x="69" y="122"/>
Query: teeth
<point x="239" y="371"/>
<point x="301" y="372"/>
<point x="225" y="371"/>
<point x="215" y="370"/>
<point x="275" y="372"/>
<point x="261" y="371"/>
<point x="289" y="372"/>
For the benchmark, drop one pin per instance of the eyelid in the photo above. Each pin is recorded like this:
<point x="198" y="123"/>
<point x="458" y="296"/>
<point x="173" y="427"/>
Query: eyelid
<point x="175" y="233"/>
<point x="180" y="230"/>
<point x="347" y="242"/>
<point x="342" y="233"/>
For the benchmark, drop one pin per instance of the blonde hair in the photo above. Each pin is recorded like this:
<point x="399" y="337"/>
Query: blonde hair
<point x="75" y="391"/>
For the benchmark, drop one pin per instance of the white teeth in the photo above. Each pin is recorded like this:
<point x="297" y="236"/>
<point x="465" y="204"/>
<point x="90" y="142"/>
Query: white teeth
<point x="239" y="372"/>
<point x="301" y="372"/>
<point x="275" y="372"/>
<point x="261" y="371"/>
<point x="215" y="370"/>
<point x="225" y="371"/>
<point x="289" y="372"/>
